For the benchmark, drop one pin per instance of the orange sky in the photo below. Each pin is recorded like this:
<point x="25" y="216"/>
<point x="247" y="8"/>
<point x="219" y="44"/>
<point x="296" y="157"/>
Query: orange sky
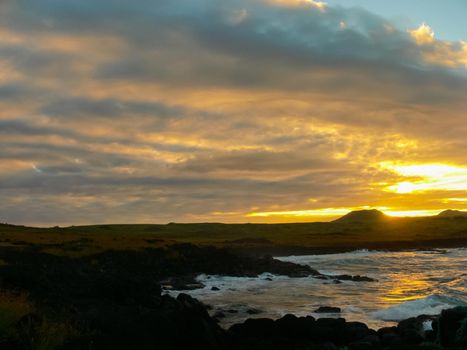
<point x="259" y="111"/>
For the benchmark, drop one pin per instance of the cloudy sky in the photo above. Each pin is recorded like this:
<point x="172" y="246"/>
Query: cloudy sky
<point x="116" y="111"/>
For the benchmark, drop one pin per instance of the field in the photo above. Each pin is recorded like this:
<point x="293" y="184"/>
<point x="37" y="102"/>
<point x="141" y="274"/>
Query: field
<point x="382" y="233"/>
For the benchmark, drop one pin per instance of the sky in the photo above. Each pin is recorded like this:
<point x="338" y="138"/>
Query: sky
<point x="230" y="111"/>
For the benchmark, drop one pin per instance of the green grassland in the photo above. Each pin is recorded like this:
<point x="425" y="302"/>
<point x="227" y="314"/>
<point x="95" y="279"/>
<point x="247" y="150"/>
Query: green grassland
<point x="379" y="232"/>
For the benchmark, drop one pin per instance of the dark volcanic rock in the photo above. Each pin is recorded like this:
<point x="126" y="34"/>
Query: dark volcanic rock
<point x="255" y="327"/>
<point x="356" y="278"/>
<point x="356" y="331"/>
<point x="411" y="330"/>
<point x="219" y="315"/>
<point x="328" y="309"/>
<point x="451" y="327"/>
<point x="291" y="326"/>
<point x="253" y="311"/>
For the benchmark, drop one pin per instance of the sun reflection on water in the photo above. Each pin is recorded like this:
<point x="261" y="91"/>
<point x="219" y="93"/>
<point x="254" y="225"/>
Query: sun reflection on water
<point x="406" y="288"/>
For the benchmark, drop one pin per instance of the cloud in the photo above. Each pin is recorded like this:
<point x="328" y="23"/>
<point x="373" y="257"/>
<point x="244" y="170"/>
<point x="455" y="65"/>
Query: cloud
<point x="452" y="54"/>
<point x="320" y="5"/>
<point x="174" y="110"/>
<point x="423" y="35"/>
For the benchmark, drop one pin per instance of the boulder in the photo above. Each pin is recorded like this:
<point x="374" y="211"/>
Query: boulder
<point x="259" y="327"/>
<point x="328" y="309"/>
<point x="291" y="326"/>
<point x="451" y="327"/>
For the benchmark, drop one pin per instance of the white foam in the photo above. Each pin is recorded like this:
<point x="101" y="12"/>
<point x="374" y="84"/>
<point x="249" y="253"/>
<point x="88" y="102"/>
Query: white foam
<point x="428" y="325"/>
<point x="431" y="305"/>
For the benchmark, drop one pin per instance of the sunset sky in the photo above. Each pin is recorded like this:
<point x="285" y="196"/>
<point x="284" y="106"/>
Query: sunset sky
<point x="119" y="111"/>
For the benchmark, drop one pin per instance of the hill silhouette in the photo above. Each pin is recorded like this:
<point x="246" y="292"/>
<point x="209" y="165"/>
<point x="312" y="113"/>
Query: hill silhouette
<point x="452" y="213"/>
<point x="362" y="216"/>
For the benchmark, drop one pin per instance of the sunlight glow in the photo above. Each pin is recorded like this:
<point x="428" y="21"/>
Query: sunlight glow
<point x="449" y="200"/>
<point x="428" y="177"/>
<point x="326" y="212"/>
<point x="412" y="213"/>
<point x="330" y="213"/>
<point x="423" y="35"/>
<point x="407" y="288"/>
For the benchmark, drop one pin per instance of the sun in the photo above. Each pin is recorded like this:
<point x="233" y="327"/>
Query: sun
<point x="427" y="177"/>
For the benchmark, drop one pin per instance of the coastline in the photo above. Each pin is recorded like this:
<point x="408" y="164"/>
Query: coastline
<point x="114" y="300"/>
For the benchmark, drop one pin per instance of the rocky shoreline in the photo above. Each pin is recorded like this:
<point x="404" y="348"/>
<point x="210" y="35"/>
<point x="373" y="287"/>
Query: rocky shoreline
<point x="114" y="300"/>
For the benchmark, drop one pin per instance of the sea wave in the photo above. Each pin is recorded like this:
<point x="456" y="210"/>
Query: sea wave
<point x="431" y="305"/>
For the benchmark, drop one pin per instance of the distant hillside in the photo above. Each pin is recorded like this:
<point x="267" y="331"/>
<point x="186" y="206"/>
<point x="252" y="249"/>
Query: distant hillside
<point x="362" y="216"/>
<point x="369" y="229"/>
<point x="452" y="214"/>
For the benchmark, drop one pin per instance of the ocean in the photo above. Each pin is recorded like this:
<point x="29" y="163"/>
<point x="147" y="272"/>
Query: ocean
<point x="410" y="283"/>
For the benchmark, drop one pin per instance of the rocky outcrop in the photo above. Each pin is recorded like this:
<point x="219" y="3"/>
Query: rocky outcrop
<point x="291" y="332"/>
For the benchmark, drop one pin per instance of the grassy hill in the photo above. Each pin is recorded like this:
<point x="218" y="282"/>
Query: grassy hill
<point x="363" y="229"/>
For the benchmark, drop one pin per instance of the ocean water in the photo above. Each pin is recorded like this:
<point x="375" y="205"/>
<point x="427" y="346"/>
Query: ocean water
<point x="409" y="284"/>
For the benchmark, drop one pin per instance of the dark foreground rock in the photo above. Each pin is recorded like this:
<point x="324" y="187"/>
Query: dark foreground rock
<point x="291" y="332"/>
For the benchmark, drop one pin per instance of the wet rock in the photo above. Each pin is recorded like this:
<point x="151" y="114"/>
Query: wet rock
<point x="321" y="277"/>
<point x="253" y="311"/>
<point x="356" y="278"/>
<point x="182" y="283"/>
<point x="219" y="315"/>
<point x="412" y="330"/>
<point x="215" y="288"/>
<point x="359" y="278"/>
<point x="452" y="326"/>
<point x="328" y="309"/>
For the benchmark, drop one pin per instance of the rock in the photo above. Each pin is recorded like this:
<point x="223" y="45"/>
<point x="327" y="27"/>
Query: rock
<point x="451" y="326"/>
<point x="356" y="278"/>
<point x="373" y="339"/>
<point x="389" y="336"/>
<point x="356" y="331"/>
<point x="299" y="274"/>
<point x="411" y="330"/>
<point x="182" y="283"/>
<point x="219" y="315"/>
<point x="360" y="345"/>
<point x="215" y="288"/>
<point x="359" y="278"/>
<point x="259" y="327"/>
<point x="253" y="311"/>
<point x="329" y="329"/>
<point x="328" y="346"/>
<point x="321" y="277"/>
<point x="291" y="326"/>
<point x="327" y="309"/>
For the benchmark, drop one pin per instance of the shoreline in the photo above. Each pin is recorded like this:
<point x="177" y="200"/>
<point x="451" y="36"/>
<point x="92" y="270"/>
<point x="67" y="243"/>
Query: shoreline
<point x="113" y="300"/>
<point x="396" y="246"/>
